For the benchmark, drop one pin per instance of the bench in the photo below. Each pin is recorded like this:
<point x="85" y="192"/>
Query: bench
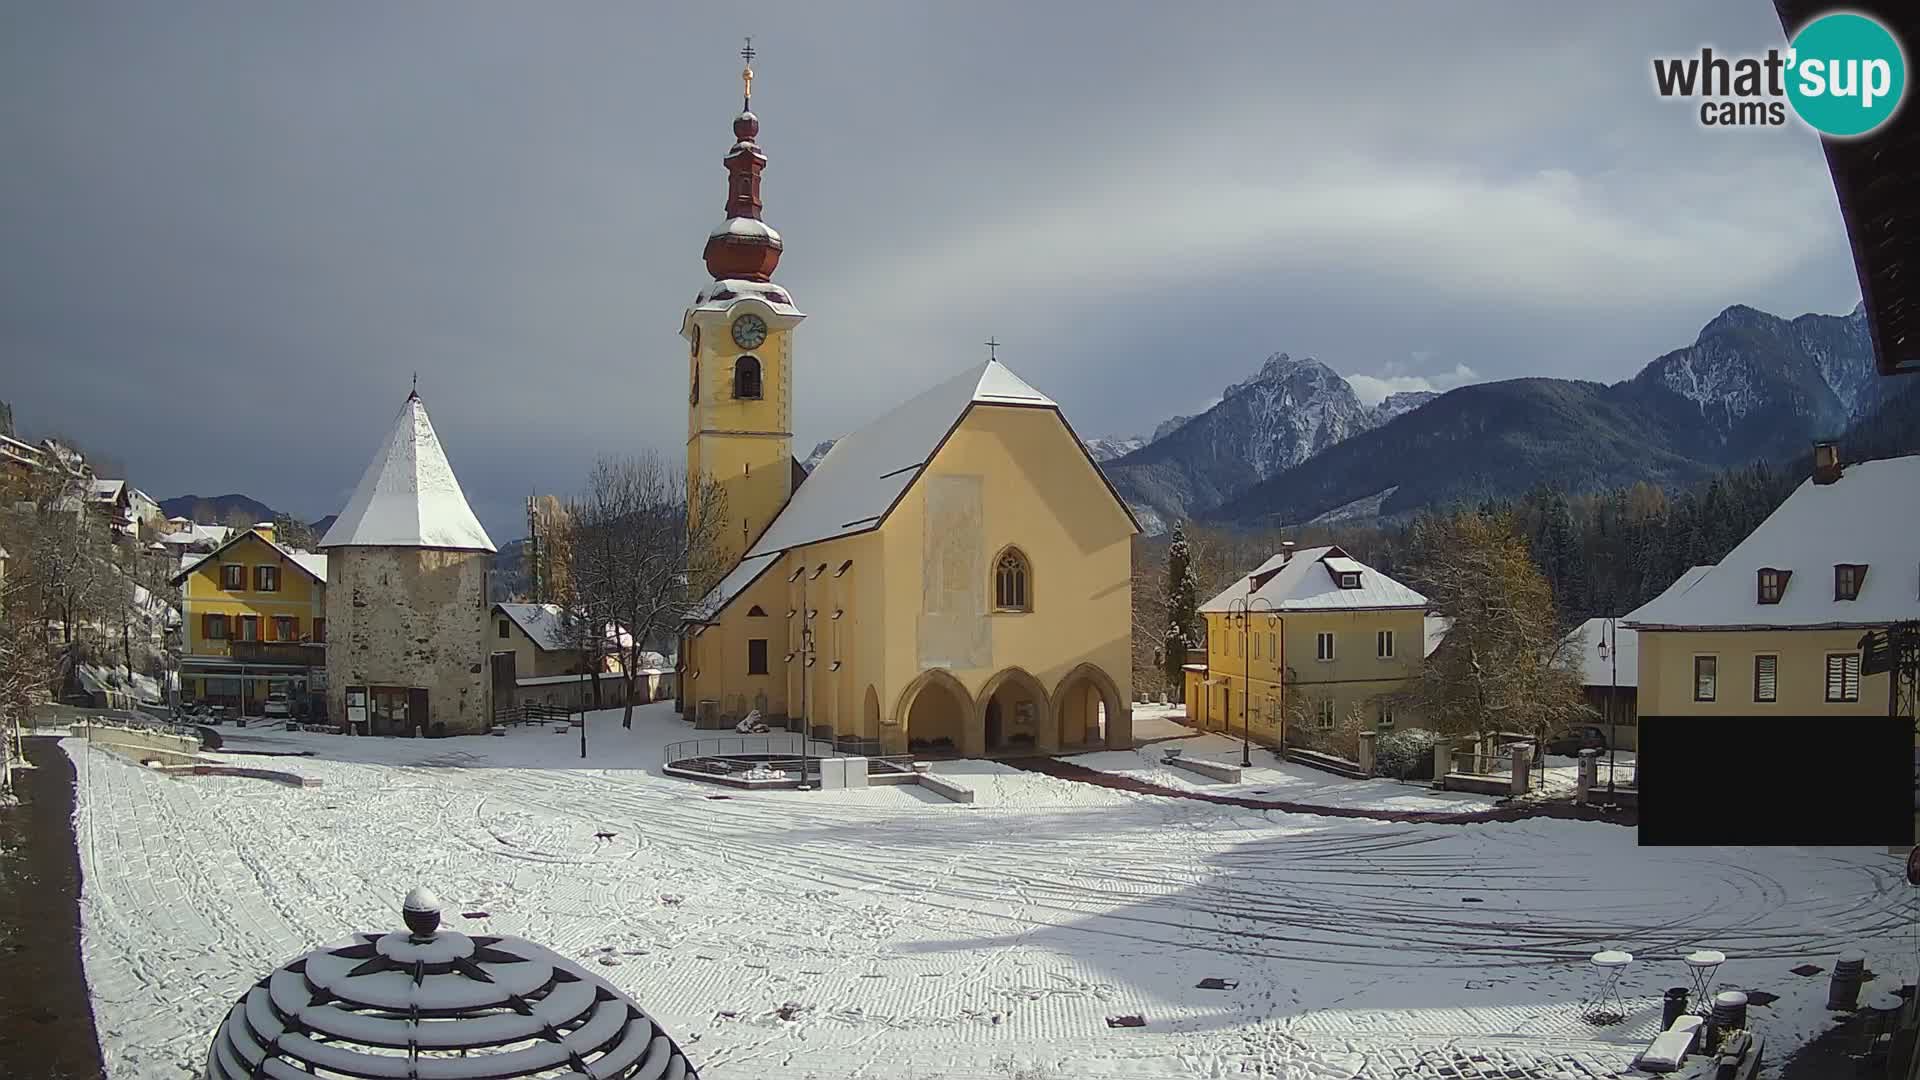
<point x="1213" y="769"/>
<point x="940" y="785"/>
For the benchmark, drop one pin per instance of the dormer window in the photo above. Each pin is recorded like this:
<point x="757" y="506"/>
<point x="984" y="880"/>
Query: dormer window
<point x="1847" y="579"/>
<point x="1773" y="584"/>
<point x="1349" y="581"/>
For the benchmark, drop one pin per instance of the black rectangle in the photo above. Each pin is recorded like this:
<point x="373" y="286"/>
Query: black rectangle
<point x="1763" y="781"/>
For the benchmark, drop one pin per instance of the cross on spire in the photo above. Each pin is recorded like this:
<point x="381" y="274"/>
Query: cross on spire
<point x="416" y="385"/>
<point x="746" y="76"/>
<point x="993" y="349"/>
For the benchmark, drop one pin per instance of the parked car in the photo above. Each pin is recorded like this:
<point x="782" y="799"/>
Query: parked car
<point x="1582" y="737"/>
<point x="278" y="707"/>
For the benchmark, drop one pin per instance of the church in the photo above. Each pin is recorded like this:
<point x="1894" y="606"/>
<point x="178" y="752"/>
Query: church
<point x="954" y="578"/>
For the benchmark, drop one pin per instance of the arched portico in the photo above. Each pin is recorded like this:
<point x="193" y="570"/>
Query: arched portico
<point x="1014" y="715"/>
<point x="934" y="713"/>
<point x="1090" y="711"/>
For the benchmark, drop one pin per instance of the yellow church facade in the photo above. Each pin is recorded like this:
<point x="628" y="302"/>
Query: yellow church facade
<point x="953" y="578"/>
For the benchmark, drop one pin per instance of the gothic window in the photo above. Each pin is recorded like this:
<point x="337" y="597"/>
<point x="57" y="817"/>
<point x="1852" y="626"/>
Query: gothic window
<point x="746" y="378"/>
<point x="1011" y="587"/>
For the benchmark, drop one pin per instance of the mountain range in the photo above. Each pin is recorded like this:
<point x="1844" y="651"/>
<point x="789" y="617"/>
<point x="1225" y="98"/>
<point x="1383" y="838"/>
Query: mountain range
<point x="1294" y="444"/>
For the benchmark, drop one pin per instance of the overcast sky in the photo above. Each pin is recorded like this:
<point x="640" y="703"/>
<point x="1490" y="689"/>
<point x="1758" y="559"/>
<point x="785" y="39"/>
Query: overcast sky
<point x="231" y="232"/>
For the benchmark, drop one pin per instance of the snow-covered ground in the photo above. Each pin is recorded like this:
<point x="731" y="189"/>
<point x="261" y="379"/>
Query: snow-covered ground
<point x="889" y="933"/>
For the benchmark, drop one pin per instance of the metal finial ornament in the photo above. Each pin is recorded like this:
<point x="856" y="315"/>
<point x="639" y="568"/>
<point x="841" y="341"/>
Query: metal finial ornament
<point x="421" y="912"/>
<point x="993" y="349"/>
<point x="746" y="76"/>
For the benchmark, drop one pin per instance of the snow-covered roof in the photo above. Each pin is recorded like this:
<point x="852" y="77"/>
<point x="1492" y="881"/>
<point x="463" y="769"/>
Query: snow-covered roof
<point x="312" y="563"/>
<point x="742" y="575"/>
<point x="196" y="533"/>
<point x="546" y="626"/>
<point x="748" y="227"/>
<point x="1437" y="627"/>
<point x="1596" y="670"/>
<point x="108" y="490"/>
<point x="1308" y="582"/>
<point x="865" y="473"/>
<point x="722" y="294"/>
<point x="1870" y="516"/>
<point x="409" y="496"/>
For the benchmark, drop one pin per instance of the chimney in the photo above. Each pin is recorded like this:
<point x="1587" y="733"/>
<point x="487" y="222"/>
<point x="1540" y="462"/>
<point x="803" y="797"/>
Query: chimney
<point x="1826" y="462"/>
<point x="265" y="529"/>
<point x="1286" y="552"/>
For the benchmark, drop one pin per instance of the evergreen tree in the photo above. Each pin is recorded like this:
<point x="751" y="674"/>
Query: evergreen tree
<point x="1183" y="602"/>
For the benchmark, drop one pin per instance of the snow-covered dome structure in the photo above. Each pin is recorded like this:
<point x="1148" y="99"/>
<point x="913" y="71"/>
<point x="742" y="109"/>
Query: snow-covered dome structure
<point x="426" y="1002"/>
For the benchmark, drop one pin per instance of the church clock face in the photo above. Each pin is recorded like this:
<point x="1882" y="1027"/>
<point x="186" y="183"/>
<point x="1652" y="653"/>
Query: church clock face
<point x="749" y="331"/>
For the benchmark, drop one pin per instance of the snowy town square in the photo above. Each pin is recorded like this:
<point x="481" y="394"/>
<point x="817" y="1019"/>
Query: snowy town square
<point x="889" y="932"/>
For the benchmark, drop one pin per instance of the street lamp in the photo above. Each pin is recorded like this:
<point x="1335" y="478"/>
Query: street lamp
<point x="1242" y="610"/>
<point x="1610" y="652"/>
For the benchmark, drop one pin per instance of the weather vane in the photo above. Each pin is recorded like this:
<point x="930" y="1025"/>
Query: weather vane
<point x="993" y="349"/>
<point x="746" y="75"/>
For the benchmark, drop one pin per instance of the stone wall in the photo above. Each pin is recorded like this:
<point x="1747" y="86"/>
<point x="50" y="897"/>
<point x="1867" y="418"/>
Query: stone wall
<point x="410" y="617"/>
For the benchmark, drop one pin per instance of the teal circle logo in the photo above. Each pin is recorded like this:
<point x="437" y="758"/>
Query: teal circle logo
<point x="1846" y="74"/>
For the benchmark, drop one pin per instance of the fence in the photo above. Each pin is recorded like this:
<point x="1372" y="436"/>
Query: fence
<point x="783" y="751"/>
<point x="532" y="712"/>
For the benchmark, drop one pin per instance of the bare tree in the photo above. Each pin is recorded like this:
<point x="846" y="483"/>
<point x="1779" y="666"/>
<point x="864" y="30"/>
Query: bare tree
<point x="293" y="532"/>
<point x="1499" y="667"/>
<point x="239" y="520"/>
<point x="641" y="563"/>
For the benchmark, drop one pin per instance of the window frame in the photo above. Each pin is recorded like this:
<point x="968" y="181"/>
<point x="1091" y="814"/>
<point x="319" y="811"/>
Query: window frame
<point x="1324" y="649"/>
<point x="286" y="628"/>
<point x="1712" y="673"/>
<point x="1349" y="579"/>
<point x="762" y="667"/>
<point x="1324" y="714"/>
<point x="1771" y="579"/>
<point x="229" y="572"/>
<point x="505" y="632"/>
<point x="758" y="374"/>
<point x="1853" y="576"/>
<point x="1383" y="644"/>
<point x="266" y="578"/>
<point x="1848" y="660"/>
<point x="214" y="621"/>
<point x="1023" y="569"/>
<point x="249" y="622"/>
<point x="1773" y="697"/>
<point x="1385" y="722"/>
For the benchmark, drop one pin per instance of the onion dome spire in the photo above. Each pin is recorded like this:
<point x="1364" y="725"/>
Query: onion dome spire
<point x="743" y="246"/>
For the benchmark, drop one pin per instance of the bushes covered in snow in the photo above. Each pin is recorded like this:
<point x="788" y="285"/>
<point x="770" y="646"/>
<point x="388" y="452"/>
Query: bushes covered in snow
<point x="1405" y="755"/>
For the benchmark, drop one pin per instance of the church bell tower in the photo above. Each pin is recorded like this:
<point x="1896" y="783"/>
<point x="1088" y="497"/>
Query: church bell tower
<point x="739" y="335"/>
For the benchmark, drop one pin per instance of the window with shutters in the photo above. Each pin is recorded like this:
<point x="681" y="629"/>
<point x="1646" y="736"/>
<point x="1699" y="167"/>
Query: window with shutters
<point x="249" y="628"/>
<point x="1323" y="646"/>
<point x="1766" y="678"/>
<point x="286" y="628"/>
<point x="1847" y="579"/>
<point x="1773" y="584"/>
<point x="1843" y="677"/>
<point x="1706" y="677"/>
<point x="1383" y="644"/>
<point x="266" y="579"/>
<point x="214" y="627"/>
<point x="320" y="630"/>
<point x="233" y="577"/>
<point x="757" y="656"/>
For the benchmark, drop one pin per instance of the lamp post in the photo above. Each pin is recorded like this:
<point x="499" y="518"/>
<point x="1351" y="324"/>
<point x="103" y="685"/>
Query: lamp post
<point x="1242" y="609"/>
<point x="1610" y="652"/>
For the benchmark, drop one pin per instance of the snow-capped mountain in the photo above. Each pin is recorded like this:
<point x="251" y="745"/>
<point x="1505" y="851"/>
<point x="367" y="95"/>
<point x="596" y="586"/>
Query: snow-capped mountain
<point x="1108" y="447"/>
<point x="1400" y="404"/>
<point x="1286" y="413"/>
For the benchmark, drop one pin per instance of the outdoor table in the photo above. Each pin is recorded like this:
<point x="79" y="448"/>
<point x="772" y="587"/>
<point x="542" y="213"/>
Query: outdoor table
<point x="1702" y="964"/>
<point x="1606" y="1007"/>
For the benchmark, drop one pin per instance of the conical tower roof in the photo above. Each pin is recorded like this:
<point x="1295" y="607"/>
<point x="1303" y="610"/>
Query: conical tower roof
<point x="409" y="496"/>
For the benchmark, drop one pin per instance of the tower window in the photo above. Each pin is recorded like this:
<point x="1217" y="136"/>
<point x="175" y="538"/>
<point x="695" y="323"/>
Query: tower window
<point x="1010" y="584"/>
<point x="746" y="378"/>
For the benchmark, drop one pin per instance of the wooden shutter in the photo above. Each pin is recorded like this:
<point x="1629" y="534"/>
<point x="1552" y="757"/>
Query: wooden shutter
<point x="1843" y="677"/>
<point x="1766" y="678"/>
<point x="319" y="629"/>
<point x="206" y="627"/>
<point x="269" y="633"/>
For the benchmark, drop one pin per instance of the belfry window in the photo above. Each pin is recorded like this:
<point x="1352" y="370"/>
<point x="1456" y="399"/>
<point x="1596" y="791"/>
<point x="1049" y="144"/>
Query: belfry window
<point x="1011" y="587"/>
<point x="746" y="378"/>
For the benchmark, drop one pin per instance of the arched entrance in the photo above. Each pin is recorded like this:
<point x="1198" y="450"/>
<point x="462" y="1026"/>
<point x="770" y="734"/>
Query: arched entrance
<point x="1090" y="713"/>
<point x="933" y="711"/>
<point x="1014" y="715"/>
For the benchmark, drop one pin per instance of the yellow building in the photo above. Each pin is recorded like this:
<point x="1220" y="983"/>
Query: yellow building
<point x="954" y="577"/>
<point x="253" y="615"/>
<point x="1342" y="637"/>
<point x="1774" y="629"/>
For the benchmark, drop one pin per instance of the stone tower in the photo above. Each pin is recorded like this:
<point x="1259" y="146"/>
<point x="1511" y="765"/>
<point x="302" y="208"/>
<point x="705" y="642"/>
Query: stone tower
<point x="739" y="334"/>
<point x="407" y="573"/>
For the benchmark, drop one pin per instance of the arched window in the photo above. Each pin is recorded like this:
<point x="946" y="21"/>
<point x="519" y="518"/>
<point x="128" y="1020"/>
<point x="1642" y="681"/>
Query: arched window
<point x="746" y="378"/>
<point x="1012" y="585"/>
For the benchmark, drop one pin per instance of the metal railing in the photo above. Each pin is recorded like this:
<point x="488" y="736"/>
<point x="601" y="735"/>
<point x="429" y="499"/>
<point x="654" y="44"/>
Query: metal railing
<point x="776" y="750"/>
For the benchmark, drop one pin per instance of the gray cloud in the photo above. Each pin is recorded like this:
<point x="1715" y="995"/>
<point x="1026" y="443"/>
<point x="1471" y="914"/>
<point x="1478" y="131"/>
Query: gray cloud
<point x="233" y="231"/>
